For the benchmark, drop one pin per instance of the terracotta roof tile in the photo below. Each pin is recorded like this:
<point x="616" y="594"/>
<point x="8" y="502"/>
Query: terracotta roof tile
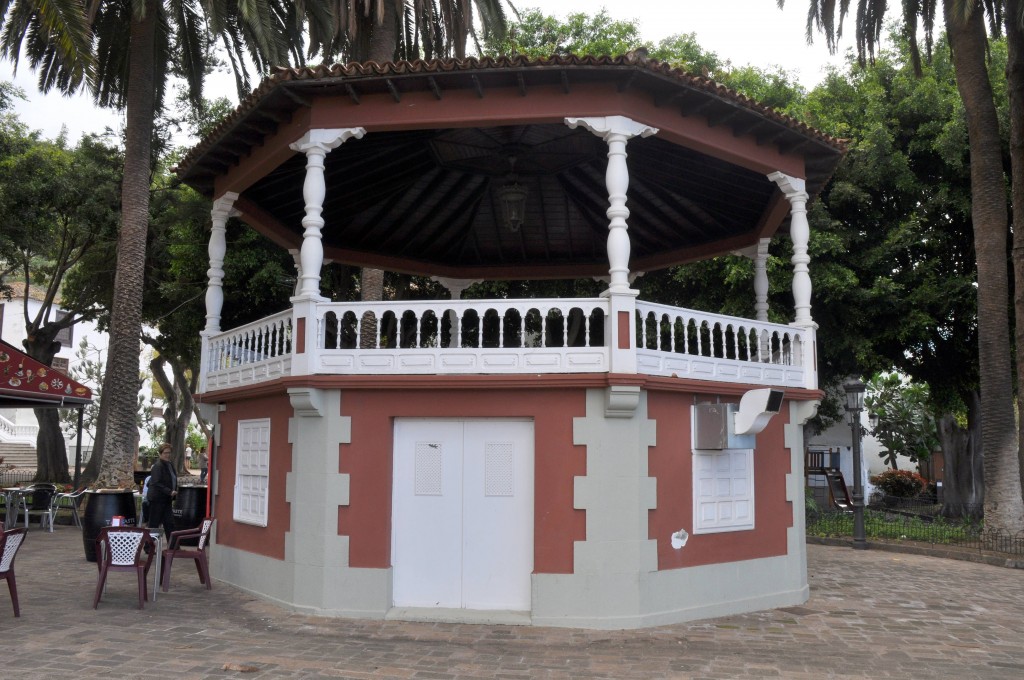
<point x="370" y="69"/>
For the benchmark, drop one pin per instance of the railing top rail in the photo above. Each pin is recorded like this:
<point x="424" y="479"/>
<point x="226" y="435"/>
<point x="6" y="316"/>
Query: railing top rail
<point x="724" y="319"/>
<point x="564" y="303"/>
<point x="259" y="323"/>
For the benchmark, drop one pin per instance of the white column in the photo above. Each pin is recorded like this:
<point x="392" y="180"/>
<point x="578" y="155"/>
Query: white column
<point x="761" y="280"/>
<point x="616" y="131"/>
<point x="316" y="144"/>
<point x="220" y="213"/>
<point x="800" y="232"/>
<point x="455" y="286"/>
<point x="217" y="249"/>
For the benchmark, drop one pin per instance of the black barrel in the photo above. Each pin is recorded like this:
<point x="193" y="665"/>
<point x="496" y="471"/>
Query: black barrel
<point x="100" y="508"/>
<point x="189" y="508"/>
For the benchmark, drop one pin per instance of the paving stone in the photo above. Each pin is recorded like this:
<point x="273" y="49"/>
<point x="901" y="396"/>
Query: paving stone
<point x="870" y="615"/>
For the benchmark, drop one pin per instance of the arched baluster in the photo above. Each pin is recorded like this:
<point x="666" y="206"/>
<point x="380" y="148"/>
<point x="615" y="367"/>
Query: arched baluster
<point x="544" y="329"/>
<point x="586" y="328"/>
<point x="565" y="327"/>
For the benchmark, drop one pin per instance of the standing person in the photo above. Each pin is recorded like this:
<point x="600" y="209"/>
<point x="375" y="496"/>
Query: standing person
<point x="204" y="464"/>
<point x="163" y="488"/>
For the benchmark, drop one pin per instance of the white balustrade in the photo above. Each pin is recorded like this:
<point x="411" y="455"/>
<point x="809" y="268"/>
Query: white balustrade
<point x="252" y="353"/>
<point x="449" y="337"/>
<point x="465" y="336"/>
<point x="13" y="433"/>
<point x="688" y="344"/>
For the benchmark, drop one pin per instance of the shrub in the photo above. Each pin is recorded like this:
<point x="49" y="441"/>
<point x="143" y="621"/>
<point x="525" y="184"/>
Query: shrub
<point x="900" y="483"/>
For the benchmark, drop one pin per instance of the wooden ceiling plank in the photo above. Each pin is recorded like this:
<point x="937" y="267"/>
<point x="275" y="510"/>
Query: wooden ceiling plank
<point x="416" y="242"/>
<point x="467" y="210"/>
<point x="398" y="222"/>
<point x="477" y="87"/>
<point x="393" y="89"/>
<point x="353" y="95"/>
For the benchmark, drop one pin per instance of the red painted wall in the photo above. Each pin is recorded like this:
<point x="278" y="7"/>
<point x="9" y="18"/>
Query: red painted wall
<point x="368" y="459"/>
<point x="557" y="525"/>
<point x="671" y="462"/>
<point x="267" y="540"/>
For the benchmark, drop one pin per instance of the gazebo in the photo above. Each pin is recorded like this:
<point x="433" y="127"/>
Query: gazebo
<point x="605" y="462"/>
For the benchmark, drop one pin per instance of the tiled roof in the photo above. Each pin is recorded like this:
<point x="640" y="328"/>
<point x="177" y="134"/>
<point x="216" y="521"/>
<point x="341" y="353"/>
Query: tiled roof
<point x="354" y="72"/>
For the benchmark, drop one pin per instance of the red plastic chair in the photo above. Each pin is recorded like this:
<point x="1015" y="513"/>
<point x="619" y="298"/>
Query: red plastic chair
<point x="197" y="552"/>
<point x="124" y="549"/>
<point x="10" y="542"/>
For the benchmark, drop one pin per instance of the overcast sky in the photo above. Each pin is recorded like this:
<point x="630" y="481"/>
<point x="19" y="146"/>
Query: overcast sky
<point x="743" y="31"/>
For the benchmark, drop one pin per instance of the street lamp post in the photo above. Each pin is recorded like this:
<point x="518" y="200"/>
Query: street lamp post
<point x="854" y="405"/>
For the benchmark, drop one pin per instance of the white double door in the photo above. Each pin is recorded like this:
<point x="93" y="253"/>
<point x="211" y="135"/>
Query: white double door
<point x="462" y="515"/>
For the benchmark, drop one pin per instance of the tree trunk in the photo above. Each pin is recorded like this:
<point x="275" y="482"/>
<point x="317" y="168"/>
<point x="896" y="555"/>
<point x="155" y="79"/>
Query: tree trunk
<point x="963" y="488"/>
<point x="1015" y="87"/>
<point x="51" y="451"/>
<point x="383" y="40"/>
<point x="121" y="383"/>
<point x="1004" y="508"/>
<point x="371" y="287"/>
<point x="178" y="412"/>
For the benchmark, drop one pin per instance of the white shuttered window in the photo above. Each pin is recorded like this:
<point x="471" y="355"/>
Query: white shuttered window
<point x="723" y="493"/>
<point x="252" y="471"/>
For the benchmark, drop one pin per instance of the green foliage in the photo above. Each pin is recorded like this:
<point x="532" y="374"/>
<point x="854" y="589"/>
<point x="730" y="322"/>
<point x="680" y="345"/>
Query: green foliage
<point x="87" y="369"/>
<point x="892" y="240"/>
<point x="899" y="483"/>
<point x="878" y="525"/>
<point x="905" y="425"/>
<point x="195" y="439"/>
<point x="538" y="35"/>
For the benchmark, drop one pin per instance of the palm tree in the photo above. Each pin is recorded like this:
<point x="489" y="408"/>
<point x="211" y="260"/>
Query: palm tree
<point x="77" y="45"/>
<point x="1014" y="17"/>
<point x="1004" y="508"/>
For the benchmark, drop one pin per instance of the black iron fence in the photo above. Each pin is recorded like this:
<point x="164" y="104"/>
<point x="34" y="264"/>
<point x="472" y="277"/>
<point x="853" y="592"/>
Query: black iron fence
<point x="919" y="522"/>
<point x="10" y="478"/>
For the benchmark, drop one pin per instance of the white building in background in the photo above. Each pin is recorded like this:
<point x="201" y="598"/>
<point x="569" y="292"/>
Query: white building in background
<point x="18" y="426"/>
<point x="838" y="440"/>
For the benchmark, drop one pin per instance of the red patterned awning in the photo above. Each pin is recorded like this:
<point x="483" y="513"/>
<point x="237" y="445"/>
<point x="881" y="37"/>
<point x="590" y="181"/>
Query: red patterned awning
<point x="30" y="383"/>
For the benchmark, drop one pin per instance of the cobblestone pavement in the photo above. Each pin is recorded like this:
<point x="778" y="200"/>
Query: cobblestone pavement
<point x="871" y="615"/>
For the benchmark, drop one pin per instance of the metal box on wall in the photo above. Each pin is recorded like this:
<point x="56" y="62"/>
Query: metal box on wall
<point x="713" y="428"/>
<point x="710" y="426"/>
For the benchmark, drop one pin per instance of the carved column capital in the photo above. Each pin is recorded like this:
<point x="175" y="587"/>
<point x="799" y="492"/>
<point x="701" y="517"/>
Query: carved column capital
<point x="606" y="126"/>
<point x="324" y="140"/>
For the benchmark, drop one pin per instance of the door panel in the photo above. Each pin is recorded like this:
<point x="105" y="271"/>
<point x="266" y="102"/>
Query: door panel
<point x="427" y="542"/>
<point x="463" y="514"/>
<point x="498" y="528"/>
